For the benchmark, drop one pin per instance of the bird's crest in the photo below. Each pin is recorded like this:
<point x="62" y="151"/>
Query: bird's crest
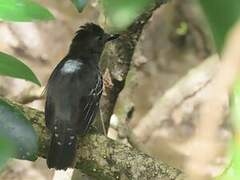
<point x="88" y="29"/>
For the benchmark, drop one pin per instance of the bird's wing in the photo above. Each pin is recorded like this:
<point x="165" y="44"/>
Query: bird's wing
<point x="49" y="91"/>
<point x="73" y="98"/>
<point x="91" y="105"/>
<point x="49" y="112"/>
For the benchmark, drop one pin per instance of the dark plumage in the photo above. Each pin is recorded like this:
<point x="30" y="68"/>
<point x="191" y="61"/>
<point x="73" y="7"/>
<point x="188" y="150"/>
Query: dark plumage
<point x="73" y="93"/>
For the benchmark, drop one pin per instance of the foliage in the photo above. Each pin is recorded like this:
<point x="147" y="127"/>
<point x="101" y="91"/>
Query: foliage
<point x="235" y="106"/>
<point x="16" y="127"/>
<point x="80" y="4"/>
<point x="20" y="10"/>
<point x="23" y="10"/>
<point x="232" y="171"/>
<point x="221" y="15"/>
<point x="121" y="14"/>
<point x="10" y="66"/>
<point x="17" y="135"/>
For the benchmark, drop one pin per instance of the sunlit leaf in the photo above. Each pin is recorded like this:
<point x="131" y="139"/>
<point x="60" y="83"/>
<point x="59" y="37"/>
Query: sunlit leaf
<point x="221" y="15"/>
<point x="79" y="4"/>
<point x="23" y="10"/>
<point x="15" y="126"/>
<point x="10" y="66"/>
<point x="235" y="106"/>
<point x="232" y="171"/>
<point x="122" y="13"/>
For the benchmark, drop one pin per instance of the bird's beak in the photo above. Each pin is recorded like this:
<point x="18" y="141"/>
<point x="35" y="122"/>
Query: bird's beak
<point x="110" y="37"/>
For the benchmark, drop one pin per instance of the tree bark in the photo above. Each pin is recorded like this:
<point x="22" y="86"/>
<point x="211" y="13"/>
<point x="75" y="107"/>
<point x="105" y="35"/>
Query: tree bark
<point x="116" y="61"/>
<point x="101" y="157"/>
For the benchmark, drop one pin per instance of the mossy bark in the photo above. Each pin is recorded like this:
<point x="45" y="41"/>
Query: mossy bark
<point x="101" y="157"/>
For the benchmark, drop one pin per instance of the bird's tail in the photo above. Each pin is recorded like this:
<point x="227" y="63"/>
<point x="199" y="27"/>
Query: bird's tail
<point x="62" y="152"/>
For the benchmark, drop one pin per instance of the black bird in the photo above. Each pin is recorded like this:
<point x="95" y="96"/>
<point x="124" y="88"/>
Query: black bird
<point x="73" y="93"/>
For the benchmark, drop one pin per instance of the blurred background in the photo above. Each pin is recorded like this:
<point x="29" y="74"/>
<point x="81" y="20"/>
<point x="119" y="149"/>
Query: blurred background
<point x="175" y="40"/>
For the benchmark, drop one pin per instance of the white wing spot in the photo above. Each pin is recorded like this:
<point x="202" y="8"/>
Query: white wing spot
<point x="72" y="137"/>
<point x="69" y="143"/>
<point x="59" y="143"/>
<point x="71" y="66"/>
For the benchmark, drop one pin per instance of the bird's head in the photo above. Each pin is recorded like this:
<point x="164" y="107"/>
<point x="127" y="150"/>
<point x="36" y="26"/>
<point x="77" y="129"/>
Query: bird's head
<point x="91" y="38"/>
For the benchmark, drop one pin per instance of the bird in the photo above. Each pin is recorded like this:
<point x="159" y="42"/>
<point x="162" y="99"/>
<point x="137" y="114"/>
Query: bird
<point x="73" y="93"/>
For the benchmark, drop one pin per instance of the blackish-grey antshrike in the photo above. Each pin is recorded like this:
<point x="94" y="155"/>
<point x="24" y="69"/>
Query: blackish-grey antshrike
<point x="73" y="93"/>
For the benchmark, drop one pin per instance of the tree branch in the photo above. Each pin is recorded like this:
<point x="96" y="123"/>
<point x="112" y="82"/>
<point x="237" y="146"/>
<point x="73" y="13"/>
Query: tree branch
<point x="165" y="131"/>
<point x="102" y="157"/>
<point x="116" y="61"/>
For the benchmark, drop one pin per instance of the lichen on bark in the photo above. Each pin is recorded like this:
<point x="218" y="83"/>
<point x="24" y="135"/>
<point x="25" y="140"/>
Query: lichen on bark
<point x="102" y="157"/>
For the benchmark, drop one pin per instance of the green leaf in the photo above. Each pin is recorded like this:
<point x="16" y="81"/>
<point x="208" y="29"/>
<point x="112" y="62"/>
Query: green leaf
<point x="6" y="150"/>
<point x="15" y="126"/>
<point x="221" y="15"/>
<point x="10" y="66"/>
<point x="232" y="171"/>
<point x="23" y="10"/>
<point x="122" y="13"/>
<point x="235" y="105"/>
<point x="79" y="4"/>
